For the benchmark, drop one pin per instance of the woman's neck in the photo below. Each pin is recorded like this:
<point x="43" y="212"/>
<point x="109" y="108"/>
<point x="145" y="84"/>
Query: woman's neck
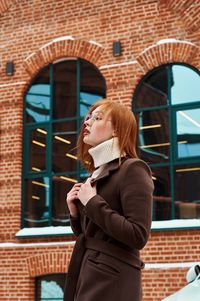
<point x="105" y="152"/>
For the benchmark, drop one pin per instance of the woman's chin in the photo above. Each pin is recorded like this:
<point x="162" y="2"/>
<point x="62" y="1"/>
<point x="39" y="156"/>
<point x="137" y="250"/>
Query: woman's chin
<point x="87" y="141"/>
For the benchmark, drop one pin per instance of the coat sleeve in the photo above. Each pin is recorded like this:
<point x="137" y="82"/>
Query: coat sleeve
<point x="136" y="188"/>
<point x="75" y="225"/>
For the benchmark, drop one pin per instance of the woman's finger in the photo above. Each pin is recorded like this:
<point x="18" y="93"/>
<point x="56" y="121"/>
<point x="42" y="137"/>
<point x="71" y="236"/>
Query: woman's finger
<point x="71" y="196"/>
<point x="77" y="185"/>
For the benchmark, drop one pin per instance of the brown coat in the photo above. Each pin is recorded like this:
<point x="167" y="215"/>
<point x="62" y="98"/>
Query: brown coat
<point x="112" y="228"/>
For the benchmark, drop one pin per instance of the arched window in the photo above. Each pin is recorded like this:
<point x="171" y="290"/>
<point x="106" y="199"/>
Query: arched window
<point x="54" y="106"/>
<point x="167" y="107"/>
<point x="50" y="287"/>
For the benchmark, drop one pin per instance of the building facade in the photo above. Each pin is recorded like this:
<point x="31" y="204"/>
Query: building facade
<point x="56" y="59"/>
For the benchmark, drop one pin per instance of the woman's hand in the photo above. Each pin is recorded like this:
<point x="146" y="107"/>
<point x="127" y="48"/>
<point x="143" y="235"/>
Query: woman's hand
<point x="86" y="192"/>
<point x="71" y="199"/>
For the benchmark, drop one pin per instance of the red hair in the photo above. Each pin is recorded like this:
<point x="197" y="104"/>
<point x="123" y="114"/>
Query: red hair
<point x="125" y="127"/>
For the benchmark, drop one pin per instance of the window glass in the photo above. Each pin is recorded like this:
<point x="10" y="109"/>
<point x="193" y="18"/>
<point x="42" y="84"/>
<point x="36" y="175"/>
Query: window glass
<point x="50" y="287"/>
<point x="37" y="149"/>
<point x="154" y="90"/>
<point x="37" y="98"/>
<point x="60" y="187"/>
<point x="153" y="135"/>
<point x="65" y="89"/>
<point x="188" y="133"/>
<point x="64" y="136"/>
<point x="170" y="83"/>
<point x="185" y="86"/>
<point x="37" y="202"/>
<point x="55" y="104"/>
<point x="162" y="201"/>
<point x="187" y="196"/>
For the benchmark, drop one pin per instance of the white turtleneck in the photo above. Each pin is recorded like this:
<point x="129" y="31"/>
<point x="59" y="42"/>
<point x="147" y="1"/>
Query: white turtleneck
<point x="103" y="153"/>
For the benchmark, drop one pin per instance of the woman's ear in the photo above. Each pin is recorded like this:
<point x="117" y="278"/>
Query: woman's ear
<point x="114" y="134"/>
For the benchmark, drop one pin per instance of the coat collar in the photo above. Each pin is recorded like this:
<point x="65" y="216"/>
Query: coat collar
<point x="113" y="165"/>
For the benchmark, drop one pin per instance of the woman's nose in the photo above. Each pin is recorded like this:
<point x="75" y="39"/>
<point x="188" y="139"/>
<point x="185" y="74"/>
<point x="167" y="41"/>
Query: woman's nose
<point x="87" y="122"/>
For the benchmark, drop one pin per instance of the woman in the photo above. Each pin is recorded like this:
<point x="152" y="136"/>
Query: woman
<point x="111" y="212"/>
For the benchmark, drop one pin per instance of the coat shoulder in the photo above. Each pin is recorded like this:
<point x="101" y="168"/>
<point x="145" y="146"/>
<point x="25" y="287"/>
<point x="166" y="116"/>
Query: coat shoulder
<point x="135" y="162"/>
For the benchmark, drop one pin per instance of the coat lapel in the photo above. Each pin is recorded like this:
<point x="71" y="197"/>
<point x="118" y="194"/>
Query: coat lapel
<point x="108" y="168"/>
<point x="114" y="165"/>
<point x="111" y="166"/>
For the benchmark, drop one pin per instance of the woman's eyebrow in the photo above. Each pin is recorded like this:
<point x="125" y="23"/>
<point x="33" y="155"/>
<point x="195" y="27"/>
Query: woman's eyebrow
<point x="98" y="112"/>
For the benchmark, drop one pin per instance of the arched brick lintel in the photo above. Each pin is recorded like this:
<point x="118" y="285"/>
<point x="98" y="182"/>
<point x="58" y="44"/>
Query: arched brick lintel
<point x="60" y="48"/>
<point x="48" y="263"/>
<point x="167" y="52"/>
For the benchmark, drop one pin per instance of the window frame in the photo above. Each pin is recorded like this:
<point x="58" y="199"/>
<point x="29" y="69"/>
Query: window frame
<point x="173" y="149"/>
<point x="48" y="125"/>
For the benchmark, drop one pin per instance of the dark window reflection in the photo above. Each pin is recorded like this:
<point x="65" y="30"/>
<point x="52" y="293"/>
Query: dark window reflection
<point x="38" y="98"/>
<point x="65" y="89"/>
<point x="63" y="142"/>
<point x="187" y="183"/>
<point x="60" y="187"/>
<point x="153" y="135"/>
<point x="154" y="90"/>
<point x="162" y="202"/>
<point x="37" y="202"/>
<point x="50" y="287"/>
<point x="90" y="89"/>
<point x="37" y="149"/>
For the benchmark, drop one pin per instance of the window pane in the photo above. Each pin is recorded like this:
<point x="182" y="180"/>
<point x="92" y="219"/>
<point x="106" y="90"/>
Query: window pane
<point x="65" y="89"/>
<point x="154" y="90"/>
<point x="186" y="85"/>
<point x="61" y="186"/>
<point x="50" y="287"/>
<point x="188" y="133"/>
<point x="37" y="149"/>
<point x="64" y="146"/>
<point x="153" y="135"/>
<point x="187" y="195"/>
<point x="38" y="99"/>
<point x="162" y="206"/>
<point x="37" y="202"/>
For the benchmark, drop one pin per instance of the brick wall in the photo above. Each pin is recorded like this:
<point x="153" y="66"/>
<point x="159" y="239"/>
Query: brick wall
<point x="30" y="35"/>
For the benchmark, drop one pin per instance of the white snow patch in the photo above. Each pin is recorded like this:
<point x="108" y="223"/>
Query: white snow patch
<point x="175" y="224"/>
<point x="35" y="244"/>
<point x="166" y="41"/>
<point x="64" y="38"/>
<point x="30" y="55"/>
<point x="95" y="43"/>
<point x="42" y="231"/>
<point x="118" y="65"/>
<point x="173" y="265"/>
